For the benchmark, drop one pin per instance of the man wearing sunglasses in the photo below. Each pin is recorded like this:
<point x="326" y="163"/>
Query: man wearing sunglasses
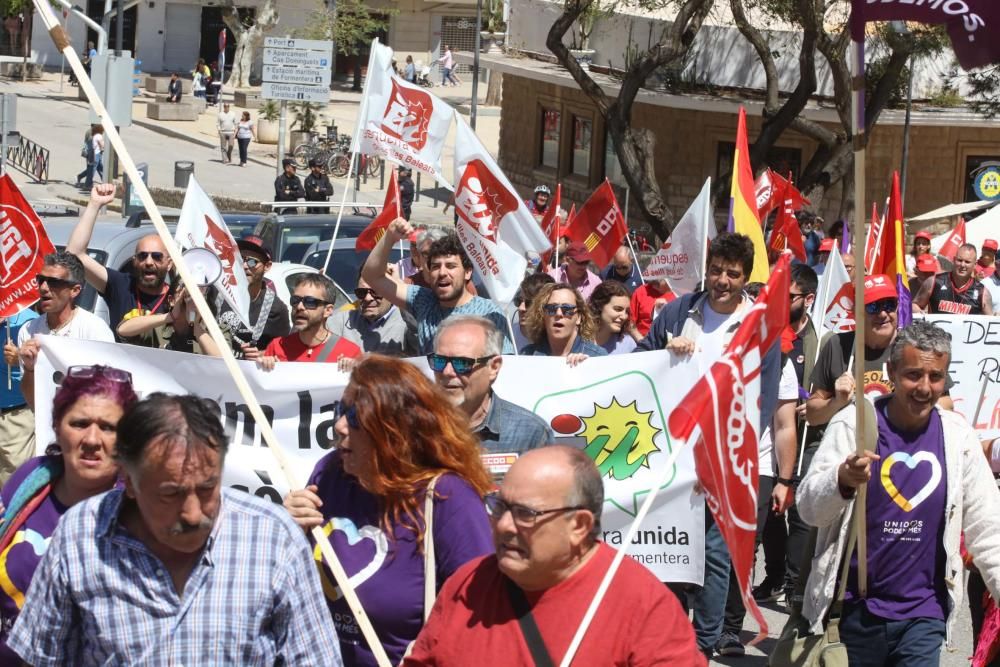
<point x="466" y="362"/>
<point x="142" y="295"/>
<point x="549" y="561"/>
<point x="375" y="325"/>
<point x="576" y="271"/>
<point x="59" y="283"/>
<point x="268" y="313"/>
<point x="958" y="292"/>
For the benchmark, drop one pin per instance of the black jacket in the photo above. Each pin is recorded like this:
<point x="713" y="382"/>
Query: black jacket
<point x="288" y="188"/>
<point x="318" y="188"/>
<point x="405" y="193"/>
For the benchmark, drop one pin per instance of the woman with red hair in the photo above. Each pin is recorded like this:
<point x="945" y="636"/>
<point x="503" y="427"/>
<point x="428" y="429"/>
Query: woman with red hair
<point x="399" y="438"/>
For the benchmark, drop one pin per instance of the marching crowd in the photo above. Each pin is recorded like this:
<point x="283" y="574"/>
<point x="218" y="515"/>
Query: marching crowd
<point x="120" y="545"/>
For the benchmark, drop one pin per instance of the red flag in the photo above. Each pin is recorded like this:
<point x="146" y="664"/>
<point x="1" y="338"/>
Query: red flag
<point x="772" y="190"/>
<point x="550" y="221"/>
<point x="721" y="416"/>
<point x="955" y="241"/>
<point x="786" y="233"/>
<point x="23" y="246"/>
<point x="599" y="225"/>
<point x="390" y="211"/>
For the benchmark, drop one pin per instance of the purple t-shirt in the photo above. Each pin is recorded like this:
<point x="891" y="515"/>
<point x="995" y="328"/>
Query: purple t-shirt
<point x="388" y="572"/>
<point x="19" y="560"/>
<point x="906" y="502"/>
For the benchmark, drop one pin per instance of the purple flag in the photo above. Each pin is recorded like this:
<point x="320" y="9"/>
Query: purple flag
<point x="972" y="24"/>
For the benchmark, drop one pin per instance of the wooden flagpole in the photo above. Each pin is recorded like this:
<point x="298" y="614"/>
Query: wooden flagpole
<point x="62" y="42"/>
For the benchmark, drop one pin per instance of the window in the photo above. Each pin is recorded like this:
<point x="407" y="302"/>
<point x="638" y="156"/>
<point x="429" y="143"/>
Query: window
<point x="583" y="135"/>
<point x="612" y="166"/>
<point x="550" y="138"/>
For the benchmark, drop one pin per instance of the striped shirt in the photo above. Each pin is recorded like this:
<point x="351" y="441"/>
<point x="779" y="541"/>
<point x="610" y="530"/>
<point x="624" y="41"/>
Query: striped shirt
<point x="100" y="597"/>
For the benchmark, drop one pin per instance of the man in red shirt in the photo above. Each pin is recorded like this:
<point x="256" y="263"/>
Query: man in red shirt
<point x="985" y="266"/>
<point x="548" y="565"/>
<point x="647" y="300"/>
<point x="313" y="296"/>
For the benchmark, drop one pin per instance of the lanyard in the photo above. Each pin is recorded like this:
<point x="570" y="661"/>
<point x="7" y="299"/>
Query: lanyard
<point x="138" y="301"/>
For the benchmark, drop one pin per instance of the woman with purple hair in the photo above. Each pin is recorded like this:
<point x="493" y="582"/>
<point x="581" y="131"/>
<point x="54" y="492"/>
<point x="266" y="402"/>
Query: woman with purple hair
<point x="78" y="465"/>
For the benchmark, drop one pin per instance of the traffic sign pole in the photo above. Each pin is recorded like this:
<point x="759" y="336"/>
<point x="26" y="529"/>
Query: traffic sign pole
<point x="282" y="119"/>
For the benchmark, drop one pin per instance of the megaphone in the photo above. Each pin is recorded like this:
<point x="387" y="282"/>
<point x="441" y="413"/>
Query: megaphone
<point x="206" y="268"/>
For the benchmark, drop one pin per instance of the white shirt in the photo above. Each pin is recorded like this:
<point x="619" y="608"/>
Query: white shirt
<point x="993" y="287"/>
<point x="84" y="325"/>
<point x="226" y="121"/>
<point x="788" y="390"/>
<point x="712" y="340"/>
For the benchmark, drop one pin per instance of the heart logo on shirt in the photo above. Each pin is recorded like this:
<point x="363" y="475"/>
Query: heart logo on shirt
<point x="368" y="547"/>
<point x="911" y="462"/>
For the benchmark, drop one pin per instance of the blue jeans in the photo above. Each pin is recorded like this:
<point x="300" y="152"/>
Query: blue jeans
<point x="873" y="641"/>
<point x="445" y="75"/>
<point x="710" y="602"/>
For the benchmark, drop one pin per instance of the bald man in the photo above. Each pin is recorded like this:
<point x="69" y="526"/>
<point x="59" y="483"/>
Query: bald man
<point x="623" y="270"/>
<point x="142" y="296"/>
<point x="549" y="562"/>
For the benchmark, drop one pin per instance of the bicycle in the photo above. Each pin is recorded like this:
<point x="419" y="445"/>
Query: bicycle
<point x="314" y="148"/>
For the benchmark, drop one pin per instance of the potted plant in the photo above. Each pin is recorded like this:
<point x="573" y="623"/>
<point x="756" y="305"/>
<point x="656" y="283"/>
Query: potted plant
<point x="494" y="27"/>
<point x="306" y="119"/>
<point x="267" y="122"/>
<point x="579" y="47"/>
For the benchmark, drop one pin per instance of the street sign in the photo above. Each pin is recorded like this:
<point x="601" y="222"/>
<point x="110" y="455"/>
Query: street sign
<point x="306" y="76"/>
<point x="130" y="200"/>
<point x="293" y="58"/>
<point x="295" y="93"/>
<point x="299" y="44"/>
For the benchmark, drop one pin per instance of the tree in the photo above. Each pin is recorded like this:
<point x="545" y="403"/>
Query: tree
<point x="634" y="146"/>
<point x="350" y="24"/>
<point x="249" y="32"/>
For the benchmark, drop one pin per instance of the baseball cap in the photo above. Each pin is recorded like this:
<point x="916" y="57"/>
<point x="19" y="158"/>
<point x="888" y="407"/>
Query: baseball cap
<point x="879" y="287"/>
<point x="287" y="161"/>
<point x="827" y="245"/>
<point x="254" y="244"/>
<point x="578" y="252"/>
<point x="922" y="235"/>
<point x="990" y="244"/>
<point x="927" y="264"/>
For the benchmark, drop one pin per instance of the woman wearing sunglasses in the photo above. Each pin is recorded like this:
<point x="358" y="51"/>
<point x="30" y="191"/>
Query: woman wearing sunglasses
<point x="610" y="306"/>
<point x="78" y="465"/>
<point x="559" y="324"/>
<point x="398" y="437"/>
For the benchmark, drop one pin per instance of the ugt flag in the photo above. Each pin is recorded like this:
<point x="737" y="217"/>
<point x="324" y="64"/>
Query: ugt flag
<point x="833" y="309"/>
<point x="201" y="226"/>
<point x="599" y="224"/>
<point x="400" y="121"/>
<point x="23" y="247"/>
<point x="721" y="416"/>
<point x="374" y="232"/>
<point x="495" y="227"/>
<point x="681" y="260"/>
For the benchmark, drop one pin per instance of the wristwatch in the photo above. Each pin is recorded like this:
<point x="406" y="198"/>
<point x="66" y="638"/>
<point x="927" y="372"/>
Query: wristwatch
<point x="782" y="480"/>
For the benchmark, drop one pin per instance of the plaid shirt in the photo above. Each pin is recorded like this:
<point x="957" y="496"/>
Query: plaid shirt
<point x="100" y="597"/>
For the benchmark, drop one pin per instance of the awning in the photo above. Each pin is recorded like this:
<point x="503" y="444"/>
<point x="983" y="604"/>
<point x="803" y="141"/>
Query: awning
<point x="951" y="210"/>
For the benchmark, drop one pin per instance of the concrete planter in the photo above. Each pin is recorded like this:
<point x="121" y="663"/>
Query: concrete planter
<point x="492" y="42"/>
<point x="267" y="131"/>
<point x="583" y="56"/>
<point x="297" y="138"/>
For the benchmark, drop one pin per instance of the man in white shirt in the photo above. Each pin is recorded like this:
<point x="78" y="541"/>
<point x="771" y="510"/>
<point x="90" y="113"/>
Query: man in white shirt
<point x="59" y="283"/>
<point x="226" y="123"/>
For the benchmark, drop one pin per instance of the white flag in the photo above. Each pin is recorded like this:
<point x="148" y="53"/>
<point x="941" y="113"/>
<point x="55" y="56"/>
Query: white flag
<point x="402" y="122"/>
<point x="833" y="309"/>
<point x="681" y="260"/>
<point x="201" y="226"/>
<point x="495" y="227"/>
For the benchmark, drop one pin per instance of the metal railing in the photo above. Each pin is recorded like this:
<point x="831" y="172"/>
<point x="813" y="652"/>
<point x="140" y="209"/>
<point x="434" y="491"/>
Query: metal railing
<point x="30" y="158"/>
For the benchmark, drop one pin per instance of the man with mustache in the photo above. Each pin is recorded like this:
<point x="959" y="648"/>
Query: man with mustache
<point x="173" y="568"/>
<point x="142" y="295"/>
<point x="548" y="564"/>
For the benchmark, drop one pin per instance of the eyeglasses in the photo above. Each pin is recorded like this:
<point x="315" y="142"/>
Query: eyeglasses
<point x="524" y="517"/>
<point x="54" y="283"/>
<point x="252" y="262"/>
<point x="362" y="292"/>
<point x="308" y="302"/>
<point x="569" y="310"/>
<point x="349" y="412"/>
<point x="461" y="365"/>
<point x="157" y="256"/>
<point x="882" y="306"/>
<point x="91" y="372"/>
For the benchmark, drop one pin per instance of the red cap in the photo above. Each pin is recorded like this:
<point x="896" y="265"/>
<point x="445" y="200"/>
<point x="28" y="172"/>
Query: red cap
<point x="927" y="264"/>
<point x="990" y="244"/>
<point x="922" y="235"/>
<point x="578" y="252"/>
<point x="879" y="287"/>
<point x="254" y="244"/>
<point x="827" y="245"/>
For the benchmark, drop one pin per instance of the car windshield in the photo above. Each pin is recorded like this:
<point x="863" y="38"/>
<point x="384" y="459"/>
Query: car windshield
<point x="293" y="241"/>
<point x="88" y="296"/>
<point x="345" y="263"/>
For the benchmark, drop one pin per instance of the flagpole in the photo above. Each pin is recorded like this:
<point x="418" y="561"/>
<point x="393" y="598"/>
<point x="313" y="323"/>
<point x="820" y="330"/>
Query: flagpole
<point x="858" y="116"/>
<point x="10" y="381"/>
<point x="635" y="257"/>
<point x="355" y="143"/>
<point x="62" y="42"/>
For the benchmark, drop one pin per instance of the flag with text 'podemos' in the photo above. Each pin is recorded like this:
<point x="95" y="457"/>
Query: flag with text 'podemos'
<point x="23" y="247"/>
<point x="374" y="232"/>
<point x="201" y="226"/>
<point x="681" y="259"/>
<point x="402" y="122"/>
<point x="721" y="416"/>
<point x="743" y="216"/>
<point x="599" y="225"/>
<point x="972" y="24"/>
<point x="833" y="309"/>
<point x="496" y="229"/>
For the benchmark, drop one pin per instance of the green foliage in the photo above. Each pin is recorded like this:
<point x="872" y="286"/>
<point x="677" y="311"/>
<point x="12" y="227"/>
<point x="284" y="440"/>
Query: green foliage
<point x="14" y="7"/>
<point x="875" y="70"/>
<point x="983" y="89"/>
<point x="593" y="11"/>
<point x="306" y="117"/>
<point x="493" y="16"/>
<point x="351" y="23"/>
<point x="269" y="110"/>
<point x="946" y="97"/>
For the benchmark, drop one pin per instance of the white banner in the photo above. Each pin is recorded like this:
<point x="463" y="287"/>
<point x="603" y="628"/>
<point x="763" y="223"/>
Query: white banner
<point x="833" y="309"/>
<point x="611" y="407"/>
<point x="402" y="122"/>
<point x="681" y="259"/>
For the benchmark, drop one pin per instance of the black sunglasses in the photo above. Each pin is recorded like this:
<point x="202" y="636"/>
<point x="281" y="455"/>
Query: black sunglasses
<point x="252" y="262"/>
<point x="54" y="283"/>
<point x="567" y="309"/>
<point x="461" y="365"/>
<point x="363" y="292"/>
<point x="157" y="256"/>
<point x="308" y="302"/>
<point x="882" y="305"/>
<point x="348" y="412"/>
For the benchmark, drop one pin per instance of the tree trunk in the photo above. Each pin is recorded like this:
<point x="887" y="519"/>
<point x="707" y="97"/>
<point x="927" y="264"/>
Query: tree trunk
<point x="248" y="38"/>
<point x="357" y="68"/>
<point x="494" y="90"/>
<point x="26" y="41"/>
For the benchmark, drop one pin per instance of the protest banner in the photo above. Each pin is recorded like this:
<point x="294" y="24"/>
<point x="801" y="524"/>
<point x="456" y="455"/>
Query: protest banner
<point x="611" y="407"/>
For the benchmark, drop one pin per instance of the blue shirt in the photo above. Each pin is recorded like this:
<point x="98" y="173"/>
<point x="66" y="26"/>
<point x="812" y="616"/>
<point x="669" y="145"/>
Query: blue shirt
<point x="580" y="346"/>
<point x="631" y="282"/>
<point x="100" y="596"/>
<point x="510" y="429"/>
<point x="423" y="304"/>
<point x="12" y="398"/>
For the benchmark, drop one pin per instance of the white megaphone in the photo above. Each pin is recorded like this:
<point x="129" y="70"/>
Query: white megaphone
<point x="205" y="266"/>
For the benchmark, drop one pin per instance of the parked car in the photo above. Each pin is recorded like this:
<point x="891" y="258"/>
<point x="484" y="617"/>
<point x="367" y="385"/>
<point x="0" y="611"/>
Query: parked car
<point x="345" y="261"/>
<point x="290" y="236"/>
